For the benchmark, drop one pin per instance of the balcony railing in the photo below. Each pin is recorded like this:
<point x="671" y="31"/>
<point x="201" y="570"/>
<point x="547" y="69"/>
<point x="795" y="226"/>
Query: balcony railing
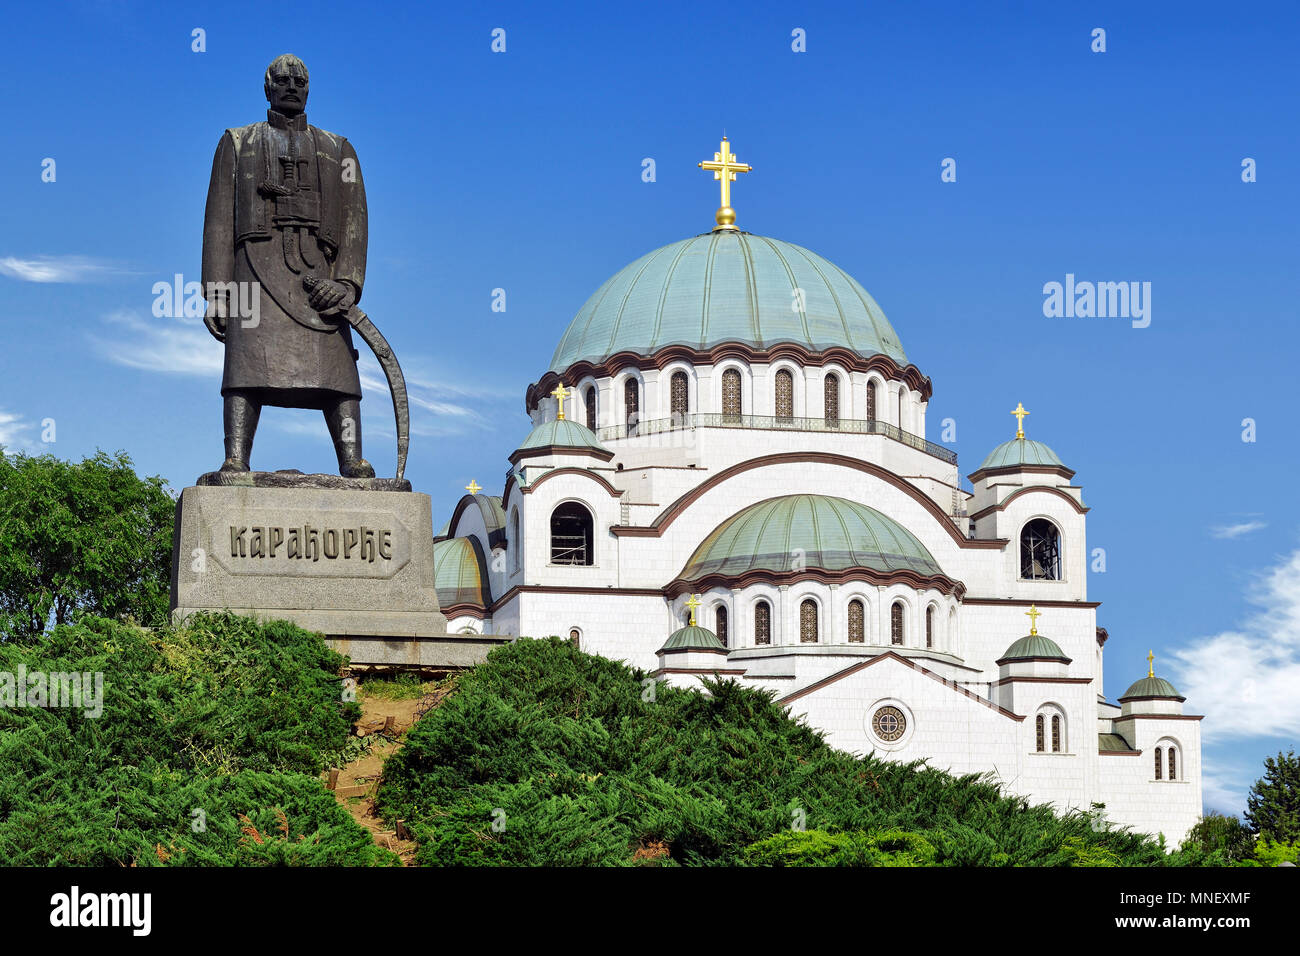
<point x="775" y="423"/>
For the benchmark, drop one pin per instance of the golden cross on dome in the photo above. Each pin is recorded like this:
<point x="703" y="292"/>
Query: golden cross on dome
<point x="1151" y="667"/>
<point x="473" y="487"/>
<point x="560" y="394"/>
<point x="693" y="603"/>
<point x="724" y="167"/>
<point x="1033" y="614"/>
<point x="1020" y="414"/>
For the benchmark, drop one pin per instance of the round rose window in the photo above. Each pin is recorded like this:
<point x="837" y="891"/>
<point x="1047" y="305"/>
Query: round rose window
<point x="889" y="723"/>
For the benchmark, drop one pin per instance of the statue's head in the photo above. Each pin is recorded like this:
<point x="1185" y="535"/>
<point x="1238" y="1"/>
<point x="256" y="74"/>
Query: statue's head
<point x="286" y="84"/>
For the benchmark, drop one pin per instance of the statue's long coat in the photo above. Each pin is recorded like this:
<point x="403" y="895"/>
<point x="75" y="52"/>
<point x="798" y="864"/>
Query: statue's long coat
<point x="261" y="228"/>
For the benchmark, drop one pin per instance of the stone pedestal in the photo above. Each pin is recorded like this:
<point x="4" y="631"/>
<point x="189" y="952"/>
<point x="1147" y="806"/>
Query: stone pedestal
<point x="348" y="563"/>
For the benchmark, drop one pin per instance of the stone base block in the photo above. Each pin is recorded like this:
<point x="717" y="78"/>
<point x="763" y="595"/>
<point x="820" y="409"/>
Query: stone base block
<point x="347" y="563"/>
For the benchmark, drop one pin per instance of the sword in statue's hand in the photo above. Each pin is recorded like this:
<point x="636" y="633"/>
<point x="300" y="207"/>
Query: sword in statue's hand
<point x="387" y="361"/>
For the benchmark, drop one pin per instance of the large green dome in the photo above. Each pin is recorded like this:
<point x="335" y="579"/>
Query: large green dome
<point x="832" y="534"/>
<point x="727" y="286"/>
<point x="1021" y="451"/>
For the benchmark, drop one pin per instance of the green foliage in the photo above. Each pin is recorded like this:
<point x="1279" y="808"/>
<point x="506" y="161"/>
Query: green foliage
<point x="405" y="686"/>
<point x="89" y="537"/>
<point x="205" y="751"/>
<point x="1217" y="840"/>
<point x="1270" y="853"/>
<point x="546" y="755"/>
<point x="1273" y="805"/>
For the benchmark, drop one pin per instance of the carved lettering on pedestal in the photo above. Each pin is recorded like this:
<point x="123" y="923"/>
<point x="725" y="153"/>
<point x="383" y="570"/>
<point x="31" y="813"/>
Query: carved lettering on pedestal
<point x="311" y="544"/>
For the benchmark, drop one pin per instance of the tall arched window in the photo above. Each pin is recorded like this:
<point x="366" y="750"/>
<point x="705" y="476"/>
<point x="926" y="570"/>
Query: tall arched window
<point x="1040" y="551"/>
<point x="720" y="626"/>
<point x="1039" y="745"/>
<point x="762" y="623"/>
<point x="680" y="396"/>
<point x="731" y="400"/>
<point x="901" y="425"/>
<point x="784" y="395"/>
<point x="929" y="626"/>
<point x="808" y="622"/>
<point x="1160" y="766"/>
<point x="631" y="404"/>
<point x="575" y="638"/>
<point x="1056" y="733"/>
<point x="871" y="401"/>
<point x="896" y="623"/>
<point x="571" y="537"/>
<point x="590" y="399"/>
<point x="832" y="401"/>
<point x="857" y="622"/>
<point x="1173" y="766"/>
<point x="516" y="543"/>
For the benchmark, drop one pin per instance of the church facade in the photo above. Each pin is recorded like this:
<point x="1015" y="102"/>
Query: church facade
<point x="728" y="474"/>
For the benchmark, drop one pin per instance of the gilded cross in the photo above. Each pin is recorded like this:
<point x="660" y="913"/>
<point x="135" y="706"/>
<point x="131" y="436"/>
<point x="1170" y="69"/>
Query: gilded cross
<point x="693" y="603"/>
<point x="559" y="394"/>
<point x="1033" y="614"/>
<point x="473" y="487"/>
<point x="1151" y="667"/>
<point x="1020" y="414"/>
<point x="724" y="167"/>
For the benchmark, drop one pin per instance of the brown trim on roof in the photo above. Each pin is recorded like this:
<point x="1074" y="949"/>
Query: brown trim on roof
<point x="1043" y="660"/>
<point x="1051" y="489"/>
<point x="1041" y="680"/>
<point x="463" y="609"/>
<point x="940" y="582"/>
<point x="1152" y="697"/>
<point x="1061" y="470"/>
<point x="852" y="361"/>
<point x="693" y="650"/>
<point x="1026" y="602"/>
<point x="854" y="668"/>
<point x="1159" y="716"/>
<point x="1118" y="753"/>
<point x="521" y="453"/>
<point x="674" y="511"/>
<point x="569" y="470"/>
<point x="694" y="670"/>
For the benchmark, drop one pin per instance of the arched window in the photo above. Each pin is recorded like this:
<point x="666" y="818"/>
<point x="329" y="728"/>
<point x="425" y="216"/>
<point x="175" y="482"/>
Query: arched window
<point x="575" y="638"/>
<point x="857" y="622"/>
<point x="1040" y="551"/>
<point x="896" y="623"/>
<point x="871" y="401"/>
<point x="631" y="404"/>
<point x="808" y="622"/>
<point x="680" y="395"/>
<point x="720" y="624"/>
<point x="1038" y="734"/>
<point x="1173" y="766"/>
<point x="832" y="401"/>
<point x="784" y="395"/>
<point x="590" y="399"/>
<point x="929" y="626"/>
<point x="1056" y="733"/>
<point x="571" y="538"/>
<point x="516" y="543"/>
<point x="762" y="623"/>
<point x="901" y="392"/>
<point x="1160" y="767"/>
<point x="731" y="399"/>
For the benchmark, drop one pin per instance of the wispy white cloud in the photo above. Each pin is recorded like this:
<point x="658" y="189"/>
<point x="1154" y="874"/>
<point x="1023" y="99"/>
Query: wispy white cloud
<point x="59" y="269"/>
<point x="1245" y="679"/>
<point x="1236" y="530"/>
<point x="15" y="432"/>
<point x="1222" y="787"/>
<point x="177" y="346"/>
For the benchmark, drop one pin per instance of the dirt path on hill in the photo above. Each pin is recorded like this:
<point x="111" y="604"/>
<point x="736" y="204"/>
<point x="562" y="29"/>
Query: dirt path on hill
<point x="355" y="786"/>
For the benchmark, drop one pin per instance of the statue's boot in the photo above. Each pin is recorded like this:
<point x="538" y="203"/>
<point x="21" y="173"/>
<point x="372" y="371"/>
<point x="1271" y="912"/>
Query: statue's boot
<point x="344" y="421"/>
<point x="240" y="419"/>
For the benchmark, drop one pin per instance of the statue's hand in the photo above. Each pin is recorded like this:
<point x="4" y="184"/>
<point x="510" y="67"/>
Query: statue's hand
<point x="214" y="317"/>
<point x="328" y="296"/>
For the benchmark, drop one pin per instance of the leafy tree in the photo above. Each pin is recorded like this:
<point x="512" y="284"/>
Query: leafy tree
<point x="1273" y="805"/>
<point x="1218" y="840"/>
<point x="88" y="537"/>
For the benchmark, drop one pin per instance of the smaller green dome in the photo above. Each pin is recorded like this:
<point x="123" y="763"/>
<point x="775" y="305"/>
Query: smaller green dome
<point x="460" y="573"/>
<point x="1021" y="451"/>
<point x="693" y="638"/>
<point x="1034" y="646"/>
<point x="1152" y="687"/>
<point x="563" y="433"/>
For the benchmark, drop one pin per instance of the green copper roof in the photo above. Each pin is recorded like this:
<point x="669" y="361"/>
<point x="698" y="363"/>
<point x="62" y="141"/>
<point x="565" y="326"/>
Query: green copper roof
<point x="566" y="432"/>
<point x="1152" y="687"/>
<point x="460" y="573"/>
<point x="831" y="534"/>
<point x="727" y="287"/>
<point x="1021" y="451"/>
<point x="1034" y="645"/>
<point x="1112" y="743"/>
<point x="693" y="639"/>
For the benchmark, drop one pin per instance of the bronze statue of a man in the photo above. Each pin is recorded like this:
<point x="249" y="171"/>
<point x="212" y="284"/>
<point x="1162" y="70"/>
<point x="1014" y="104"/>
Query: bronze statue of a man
<point x="286" y="215"/>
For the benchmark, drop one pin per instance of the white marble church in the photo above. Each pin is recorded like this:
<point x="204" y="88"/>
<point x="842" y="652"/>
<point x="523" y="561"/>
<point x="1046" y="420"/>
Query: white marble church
<point x="728" y="474"/>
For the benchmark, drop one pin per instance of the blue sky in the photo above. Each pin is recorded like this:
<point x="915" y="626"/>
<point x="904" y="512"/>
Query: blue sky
<point x="522" y="171"/>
